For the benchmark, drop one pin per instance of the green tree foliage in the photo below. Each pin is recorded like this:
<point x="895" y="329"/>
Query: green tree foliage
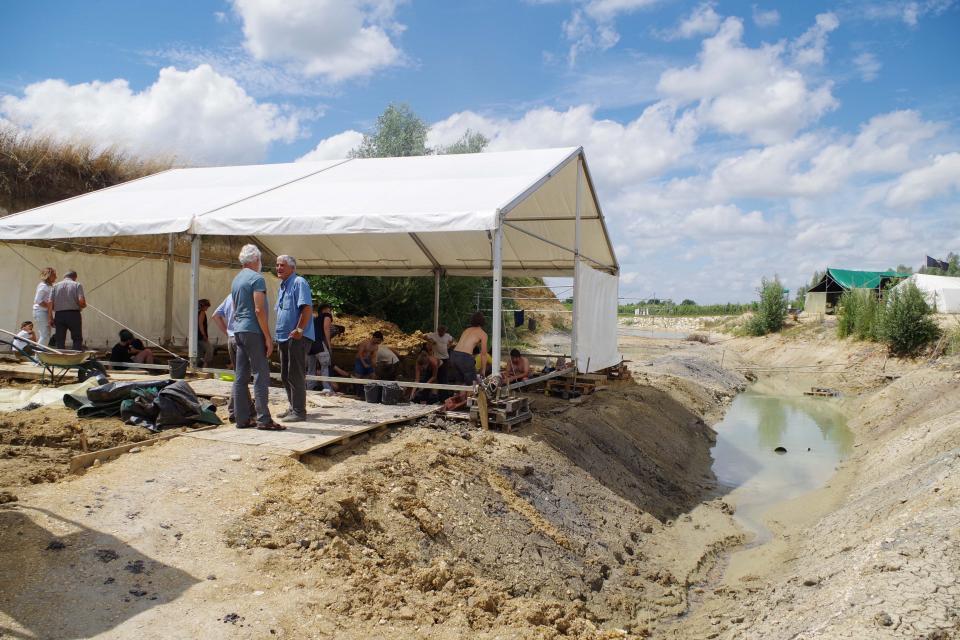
<point x="903" y="320"/>
<point x="771" y="310"/>
<point x="907" y="325"/>
<point x="859" y="315"/>
<point x="399" y="132"/>
<point x="469" y="142"/>
<point x="657" y="307"/>
<point x="688" y="302"/>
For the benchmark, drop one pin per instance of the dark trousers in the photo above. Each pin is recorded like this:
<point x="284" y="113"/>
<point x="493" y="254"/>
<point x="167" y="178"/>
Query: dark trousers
<point x="251" y="359"/>
<point x="293" y="372"/>
<point x="72" y="320"/>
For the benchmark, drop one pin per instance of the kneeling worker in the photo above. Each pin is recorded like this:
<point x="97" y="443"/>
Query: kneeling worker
<point x="518" y="369"/>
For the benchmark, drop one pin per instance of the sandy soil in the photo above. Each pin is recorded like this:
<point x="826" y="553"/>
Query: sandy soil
<point x="875" y="553"/>
<point x="599" y="520"/>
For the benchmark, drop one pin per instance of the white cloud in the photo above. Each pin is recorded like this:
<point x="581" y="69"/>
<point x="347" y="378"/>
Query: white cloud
<point x="940" y="177"/>
<point x="754" y="92"/>
<point x="907" y="11"/>
<point x="198" y="116"/>
<point x="620" y="153"/>
<point x="810" y="47"/>
<point x="336" y="39"/>
<point x="868" y="66"/>
<point x="591" y="25"/>
<point x="724" y="220"/>
<point x="704" y="20"/>
<point x="765" y="18"/>
<point x="335" y="147"/>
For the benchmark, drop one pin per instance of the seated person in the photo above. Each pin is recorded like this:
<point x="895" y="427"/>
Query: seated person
<point x="365" y="364"/>
<point x="388" y="362"/>
<point x="427" y="370"/>
<point x="518" y="368"/>
<point x="27" y="332"/>
<point x="131" y="350"/>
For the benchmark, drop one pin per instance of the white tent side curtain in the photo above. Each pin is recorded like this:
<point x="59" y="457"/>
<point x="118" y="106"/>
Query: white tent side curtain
<point x="595" y="319"/>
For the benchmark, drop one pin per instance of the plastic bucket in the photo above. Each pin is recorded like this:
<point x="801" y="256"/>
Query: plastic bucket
<point x="392" y="394"/>
<point x="178" y="369"/>
<point x="372" y="392"/>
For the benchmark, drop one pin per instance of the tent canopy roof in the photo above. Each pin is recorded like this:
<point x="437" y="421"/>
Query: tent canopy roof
<point x="846" y="279"/>
<point x="377" y="216"/>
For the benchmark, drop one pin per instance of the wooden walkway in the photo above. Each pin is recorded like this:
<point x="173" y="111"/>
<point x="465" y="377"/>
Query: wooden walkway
<point x="332" y="421"/>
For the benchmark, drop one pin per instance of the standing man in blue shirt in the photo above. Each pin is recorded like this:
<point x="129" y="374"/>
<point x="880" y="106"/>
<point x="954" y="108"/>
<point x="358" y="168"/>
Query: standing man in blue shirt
<point x="251" y="330"/>
<point x="295" y="335"/>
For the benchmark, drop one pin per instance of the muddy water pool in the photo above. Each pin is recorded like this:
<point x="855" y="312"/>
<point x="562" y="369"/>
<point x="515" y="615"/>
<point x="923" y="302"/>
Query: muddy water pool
<point x="813" y="432"/>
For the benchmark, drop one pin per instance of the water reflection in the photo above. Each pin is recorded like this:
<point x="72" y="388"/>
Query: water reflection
<point x="813" y="432"/>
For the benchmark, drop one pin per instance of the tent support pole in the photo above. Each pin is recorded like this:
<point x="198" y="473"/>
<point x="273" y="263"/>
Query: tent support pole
<point x="497" y="324"/>
<point x="168" y="301"/>
<point x="574" y="350"/>
<point x="436" y="299"/>
<point x="194" y="297"/>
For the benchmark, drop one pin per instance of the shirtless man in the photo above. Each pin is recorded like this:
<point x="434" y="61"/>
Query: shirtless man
<point x="365" y="364"/>
<point x="461" y="360"/>
<point x="518" y="369"/>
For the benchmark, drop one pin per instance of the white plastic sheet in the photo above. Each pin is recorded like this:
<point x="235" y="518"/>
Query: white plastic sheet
<point x="596" y="319"/>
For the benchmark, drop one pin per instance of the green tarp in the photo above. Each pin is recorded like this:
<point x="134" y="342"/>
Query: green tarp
<point x="850" y="279"/>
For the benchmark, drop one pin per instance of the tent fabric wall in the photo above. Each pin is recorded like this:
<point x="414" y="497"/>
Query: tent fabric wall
<point x="941" y="292"/>
<point x="596" y="319"/>
<point x="136" y="297"/>
<point x="815" y="302"/>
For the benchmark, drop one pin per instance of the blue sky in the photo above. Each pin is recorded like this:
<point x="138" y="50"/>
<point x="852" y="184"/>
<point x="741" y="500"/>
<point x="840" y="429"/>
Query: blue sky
<point x="730" y="140"/>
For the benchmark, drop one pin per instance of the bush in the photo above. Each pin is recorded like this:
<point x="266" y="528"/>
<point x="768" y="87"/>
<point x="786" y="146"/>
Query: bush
<point x="771" y="310"/>
<point x="907" y="325"/>
<point x="860" y="315"/>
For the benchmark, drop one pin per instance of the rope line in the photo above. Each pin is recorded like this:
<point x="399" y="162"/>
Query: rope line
<point x="136" y="333"/>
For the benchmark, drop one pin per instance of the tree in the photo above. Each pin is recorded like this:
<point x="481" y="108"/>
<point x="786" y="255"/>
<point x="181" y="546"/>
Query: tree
<point x="688" y="301"/>
<point x="771" y="310"/>
<point x="470" y="142"/>
<point x="399" y="132"/>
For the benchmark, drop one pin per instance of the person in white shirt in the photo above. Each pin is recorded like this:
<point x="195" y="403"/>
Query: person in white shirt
<point x="387" y="362"/>
<point x="43" y="306"/>
<point x="26" y="331"/>
<point x="442" y="341"/>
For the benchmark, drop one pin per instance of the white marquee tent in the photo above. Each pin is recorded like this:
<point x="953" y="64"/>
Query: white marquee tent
<point x="941" y="292"/>
<point x="529" y="213"/>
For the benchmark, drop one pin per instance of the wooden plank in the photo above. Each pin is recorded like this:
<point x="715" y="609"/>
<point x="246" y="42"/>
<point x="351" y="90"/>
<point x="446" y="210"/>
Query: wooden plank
<point x="84" y="460"/>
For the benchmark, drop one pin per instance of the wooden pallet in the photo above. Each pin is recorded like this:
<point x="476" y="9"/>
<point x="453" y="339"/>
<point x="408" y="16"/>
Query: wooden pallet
<point x="502" y="414"/>
<point x="567" y="388"/>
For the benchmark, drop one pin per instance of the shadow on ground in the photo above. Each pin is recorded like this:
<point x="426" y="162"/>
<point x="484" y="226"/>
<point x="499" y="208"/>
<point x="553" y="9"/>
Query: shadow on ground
<point x="69" y="581"/>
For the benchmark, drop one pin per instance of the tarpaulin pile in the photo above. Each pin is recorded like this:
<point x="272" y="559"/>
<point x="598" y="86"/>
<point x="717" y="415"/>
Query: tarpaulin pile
<point x="153" y="404"/>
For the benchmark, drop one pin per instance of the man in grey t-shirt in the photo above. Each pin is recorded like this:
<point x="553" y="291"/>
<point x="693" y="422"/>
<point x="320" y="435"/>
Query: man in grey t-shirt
<point x="254" y="345"/>
<point x="68" y="301"/>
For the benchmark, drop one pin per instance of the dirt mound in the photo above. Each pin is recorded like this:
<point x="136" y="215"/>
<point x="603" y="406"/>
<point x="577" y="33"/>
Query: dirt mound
<point x="357" y="329"/>
<point x="36" y="446"/>
<point x="488" y="532"/>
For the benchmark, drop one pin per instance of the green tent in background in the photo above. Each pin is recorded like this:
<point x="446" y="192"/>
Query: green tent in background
<point x="823" y="296"/>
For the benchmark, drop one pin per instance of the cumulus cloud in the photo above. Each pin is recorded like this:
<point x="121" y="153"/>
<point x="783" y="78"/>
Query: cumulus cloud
<point x="335" y="147"/>
<point x="810" y="47"/>
<point x="198" y="116"/>
<point x="591" y="25"/>
<point x="724" y="220"/>
<point x="752" y="91"/>
<point x="940" y="177"/>
<point x="646" y="146"/>
<point x="704" y="20"/>
<point x="336" y="39"/>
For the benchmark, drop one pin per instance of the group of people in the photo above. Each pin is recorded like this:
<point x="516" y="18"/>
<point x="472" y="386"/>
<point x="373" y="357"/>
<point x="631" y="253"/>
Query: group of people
<point x="56" y="310"/>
